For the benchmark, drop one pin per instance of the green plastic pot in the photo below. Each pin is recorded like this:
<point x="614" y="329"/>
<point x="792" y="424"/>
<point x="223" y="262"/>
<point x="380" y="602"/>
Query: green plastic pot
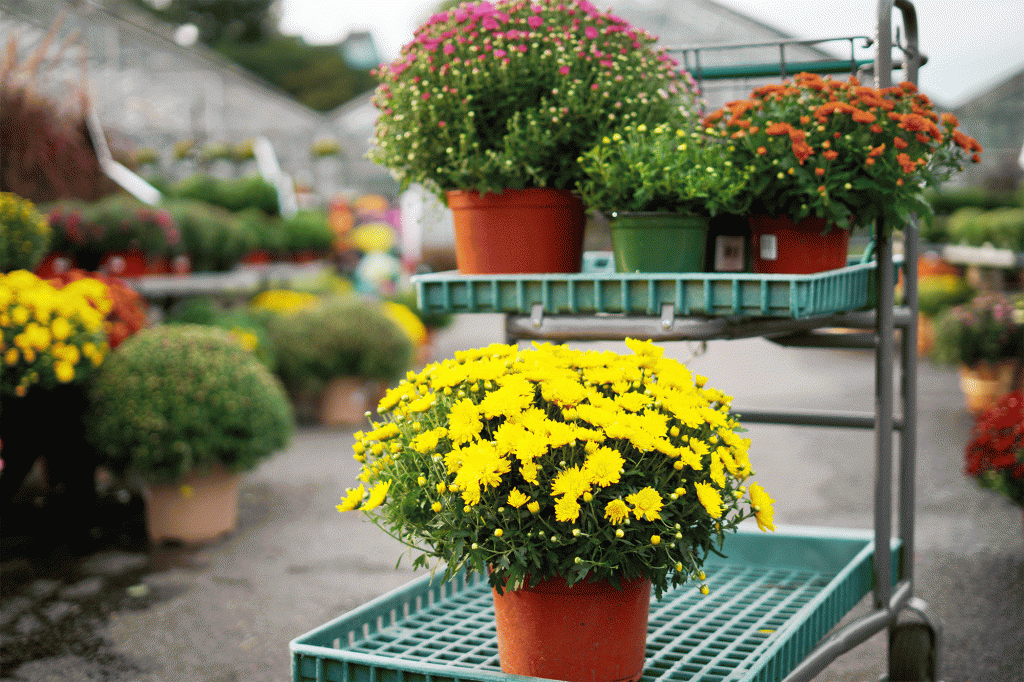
<point x="658" y="242"/>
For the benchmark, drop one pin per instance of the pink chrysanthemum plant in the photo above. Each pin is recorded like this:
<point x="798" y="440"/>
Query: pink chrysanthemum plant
<point x="508" y="95"/>
<point x="549" y="461"/>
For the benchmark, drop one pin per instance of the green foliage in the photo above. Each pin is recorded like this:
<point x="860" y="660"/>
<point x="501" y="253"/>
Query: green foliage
<point x="177" y="398"/>
<point x="663" y="168"/>
<point x="1003" y="227"/>
<point x="266" y="232"/>
<point x="947" y="201"/>
<point x="307" y="231"/>
<point x="235" y="194"/>
<point x="241" y="20"/>
<point x="341" y="336"/>
<point x="211" y="236"/>
<point x="247" y="325"/>
<point x="25" y="235"/>
<point x="985" y="330"/>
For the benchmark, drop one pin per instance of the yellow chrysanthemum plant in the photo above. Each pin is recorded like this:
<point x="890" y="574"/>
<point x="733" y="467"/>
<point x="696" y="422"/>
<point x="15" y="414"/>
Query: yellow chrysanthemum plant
<point x="50" y="336"/>
<point x="527" y="464"/>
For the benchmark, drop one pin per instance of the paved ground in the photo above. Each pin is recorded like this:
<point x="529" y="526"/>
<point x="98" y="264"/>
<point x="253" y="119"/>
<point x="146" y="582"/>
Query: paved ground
<point x="226" y="612"/>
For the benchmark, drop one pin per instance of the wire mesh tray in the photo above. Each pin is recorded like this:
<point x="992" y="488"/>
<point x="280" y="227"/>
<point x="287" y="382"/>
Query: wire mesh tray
<point x="599" y="290"/>
<point x="771" y="601"/>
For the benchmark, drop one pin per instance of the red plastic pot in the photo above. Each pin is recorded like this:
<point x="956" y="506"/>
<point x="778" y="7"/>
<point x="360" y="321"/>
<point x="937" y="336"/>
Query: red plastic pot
<point x="590" y="632"/>
<point x="533" y="230"/>
<point x="780" y="246"/>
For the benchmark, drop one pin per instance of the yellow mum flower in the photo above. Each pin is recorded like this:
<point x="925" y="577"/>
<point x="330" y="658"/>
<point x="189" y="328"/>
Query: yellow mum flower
<point x="534" y="507"/>
<point x="352" y="499"/>
<point x="571" y="482"/>
<point x="464" y="423"/>
<point x="762" y="505"/>
<point x="710" y="498"/>
<point x="60" y="328"/>
<point x="517" y="498"/>
<point x="64" y="371"/>
<point x="603" y="467"/>
<point x="377" y="495"/>
<point x="616" y="511"/>
<point x="646" y="504"/>
<point x="567" y="509"/>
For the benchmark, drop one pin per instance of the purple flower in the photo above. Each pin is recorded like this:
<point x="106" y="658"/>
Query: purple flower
<point x="448" y="48"/>
<point x="591" y="32"/>
<point x="535" y="21"/>
<point x="500" y="53"/>
<point x="564" y="70"/>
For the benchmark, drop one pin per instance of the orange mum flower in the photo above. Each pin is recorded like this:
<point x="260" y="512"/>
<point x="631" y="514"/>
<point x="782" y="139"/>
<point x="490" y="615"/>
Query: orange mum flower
<point x="830" y="154"/>
<point x="869" y="162"/>
<point x="900" y="143"/>
<point x="923" y="138"/>
<point x="907" y="86"/>
<point x="861" y="116"/>
<point x="819" y="171"/>
<point x="762" y="150"/>
<point x="778" y="129"/>
<point x="876" y="129"/>
<point x="913" y="122"/>
<point x="949" y="120"/>
<point x="877" y="151"/>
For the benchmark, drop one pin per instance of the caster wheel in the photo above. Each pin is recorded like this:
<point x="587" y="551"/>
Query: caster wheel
<point x="912" y="653"/>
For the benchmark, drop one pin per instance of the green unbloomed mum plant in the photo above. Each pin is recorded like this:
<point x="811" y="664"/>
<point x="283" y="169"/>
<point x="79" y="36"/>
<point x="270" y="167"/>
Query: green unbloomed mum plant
<point x="178" y="398"/>
<point x="508" y="95"/>
<point x="663" y="168"/>
<point x="549" y="461"/>
<point x="50" y="336"/>
<point x="842" y="151"/>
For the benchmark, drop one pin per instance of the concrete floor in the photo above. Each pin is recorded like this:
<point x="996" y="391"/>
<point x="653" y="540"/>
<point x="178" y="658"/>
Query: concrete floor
<point x="226" y="612"/>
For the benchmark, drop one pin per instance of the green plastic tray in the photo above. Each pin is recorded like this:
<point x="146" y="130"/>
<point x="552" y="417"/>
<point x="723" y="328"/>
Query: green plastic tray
<point x="771" y="601"/>
<point x="599" y="289"/>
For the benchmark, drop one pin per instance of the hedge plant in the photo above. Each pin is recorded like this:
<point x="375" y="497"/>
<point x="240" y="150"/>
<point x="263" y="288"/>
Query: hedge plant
<point x="179" y="398"/>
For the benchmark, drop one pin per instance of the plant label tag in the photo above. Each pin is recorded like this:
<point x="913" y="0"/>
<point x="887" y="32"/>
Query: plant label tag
<point x="729" y="253"/>
<point x="769" y="247"/>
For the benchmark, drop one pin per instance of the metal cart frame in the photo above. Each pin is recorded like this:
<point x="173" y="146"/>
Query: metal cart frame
<point x="914" y="643"/>
<point x="889" y="601"/>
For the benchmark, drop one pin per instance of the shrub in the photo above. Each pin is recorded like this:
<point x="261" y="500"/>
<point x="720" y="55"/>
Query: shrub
<point x="341" y="336"/>
<point x="179" y="398"/>
<point x="308" y="231"/>
<point x="248" y="326"/>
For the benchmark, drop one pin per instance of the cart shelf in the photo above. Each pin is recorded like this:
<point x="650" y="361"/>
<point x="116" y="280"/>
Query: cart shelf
<point x="598" y="290"/>
<point x="772" y="600"/>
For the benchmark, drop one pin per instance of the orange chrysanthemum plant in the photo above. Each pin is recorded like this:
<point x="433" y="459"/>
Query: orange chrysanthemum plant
<point x="842" y="151"/>
<point x="544" y="462"/>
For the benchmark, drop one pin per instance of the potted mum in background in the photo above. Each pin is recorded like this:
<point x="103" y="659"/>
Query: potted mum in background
<point x="985" y="340"/>
<point x="826" y="155"/>
<point x="185" y="409"/>
<point x="25" y="237"/>
<point x="995" y="453"/>
<point x="491" y="105"/>
<point x="660" y="186"/>
<point x="336" y="356"/>
<point x="590" y="475"/>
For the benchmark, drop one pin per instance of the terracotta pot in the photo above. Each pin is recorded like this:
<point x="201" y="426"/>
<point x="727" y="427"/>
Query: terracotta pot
<point x="984" y="384"/>
<point x="590" y="632"/>
<point x="780" y="246"/>
<point x="532" y="230"/>
<point x="200" y="507"/>
<point x="346" y="400"/>
<point x="658" y="242"/>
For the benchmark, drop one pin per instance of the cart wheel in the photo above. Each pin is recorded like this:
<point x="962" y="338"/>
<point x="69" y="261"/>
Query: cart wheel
<point x="912" y="653"/>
